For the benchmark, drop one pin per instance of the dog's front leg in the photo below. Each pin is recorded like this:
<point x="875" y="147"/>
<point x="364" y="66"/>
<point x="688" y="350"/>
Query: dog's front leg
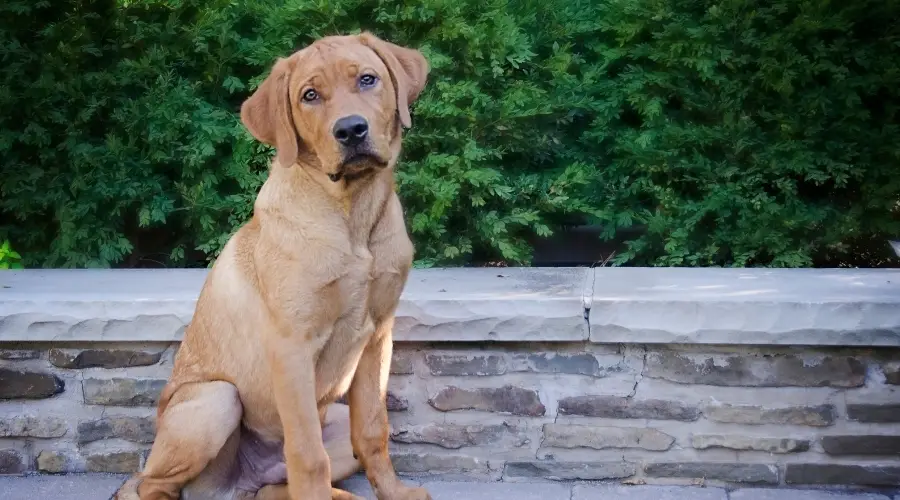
<point x="293" y="380"/>
<point x="369" y="420"/>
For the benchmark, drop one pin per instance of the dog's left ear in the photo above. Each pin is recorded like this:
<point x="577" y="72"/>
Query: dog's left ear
<point x="408" y="68"/>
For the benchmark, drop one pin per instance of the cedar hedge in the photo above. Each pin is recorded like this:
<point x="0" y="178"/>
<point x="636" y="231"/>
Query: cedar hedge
<point x="732" y="132"/>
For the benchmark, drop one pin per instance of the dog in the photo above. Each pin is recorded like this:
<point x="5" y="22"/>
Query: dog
<point x="298" y="309"/>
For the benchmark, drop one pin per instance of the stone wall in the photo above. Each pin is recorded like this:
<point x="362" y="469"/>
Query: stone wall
<point x="79" y="407"/>
<point x="549" y="392"/>
<point x="518" y="412"/>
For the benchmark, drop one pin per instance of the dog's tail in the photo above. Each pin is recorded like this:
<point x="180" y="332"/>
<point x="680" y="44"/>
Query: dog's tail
<point x="129" y="490"/>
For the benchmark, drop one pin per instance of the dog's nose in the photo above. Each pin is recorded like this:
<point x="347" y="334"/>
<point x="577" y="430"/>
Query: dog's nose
<point x="350" y="130"/>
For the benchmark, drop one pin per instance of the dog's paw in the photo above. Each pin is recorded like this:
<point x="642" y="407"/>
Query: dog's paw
<point x="128" y="490"/>
<point x="407" y="493"/>
<point x="337" y="494"/>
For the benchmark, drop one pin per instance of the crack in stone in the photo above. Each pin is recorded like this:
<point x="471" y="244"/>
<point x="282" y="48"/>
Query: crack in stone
<point x="640" y="376"/>
<point x="587" y="298"/>
<point x="83" y="396"/>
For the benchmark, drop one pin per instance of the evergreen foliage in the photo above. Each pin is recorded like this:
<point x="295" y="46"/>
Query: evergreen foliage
<point x="734" y="132"/>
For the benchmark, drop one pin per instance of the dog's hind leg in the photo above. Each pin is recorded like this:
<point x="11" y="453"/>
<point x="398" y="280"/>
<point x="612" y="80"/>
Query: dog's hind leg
<point x="194" y="427"/>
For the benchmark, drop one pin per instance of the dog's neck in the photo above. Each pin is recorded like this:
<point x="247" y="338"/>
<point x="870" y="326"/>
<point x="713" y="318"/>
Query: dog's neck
<point x="346" y="191"/>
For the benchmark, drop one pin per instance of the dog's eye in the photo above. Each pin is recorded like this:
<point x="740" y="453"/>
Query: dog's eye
<point x="310" y="95"/>
<point x="367" y="80"/>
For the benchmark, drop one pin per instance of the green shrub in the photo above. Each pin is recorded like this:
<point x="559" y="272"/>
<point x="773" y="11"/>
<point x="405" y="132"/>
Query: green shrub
<point x="750" y="133"/>
<point x="9" y="258"/>
<point x="735" y="133"/>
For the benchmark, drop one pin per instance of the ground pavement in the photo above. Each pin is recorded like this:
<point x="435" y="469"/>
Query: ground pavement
<point x="101" y="487"/>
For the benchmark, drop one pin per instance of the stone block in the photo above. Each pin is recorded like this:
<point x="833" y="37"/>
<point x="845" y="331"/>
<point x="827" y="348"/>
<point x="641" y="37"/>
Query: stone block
<point x="842" y="474"/>
<point x="745" y="306"/>
<point x="569" y="471"/>
<point x="360" y="486"/>
<point x="717" y="471"/>
<point x="454" y="490"/>
<point x="122" y="391"/>
<point x="623" y="492"/>
<point x="61" y="487"/>
<point x="602" y="438"/>
<point x="749" y="443"/>
<point x="481" y="364"/>
<point x="736" y="370"/>
<point x="460" y="365"/>
<point x="883" y="413"/>
<point x="19" y="354"/>
<point x="795" y="494"/>
<point x="122" y="462"/>
<point x="395" y="403"/>
<point x="566" y="364"/>
<point x="426" y="463"/>
<point x="12" y="462"/>
<point x="455" y="436"/>
<point x="32" y="426"/>
<point x="891" y="372"/>
<point x="134" y="429"/>
<point x="103" y="358"/>
<point x="506" y="399"/>
<point x="623" y="407"/>
<point x="874" y="408"/>
<point x="437" y="304"/>
<point x="116" y="305"/>
<point x="21" y="384"/>
<point x="862" y="445"/>
<point x="811" y="416"/>
<point x="402" y="362"/>
<point x="52" y="462"/>
<point x="502" y="305"/>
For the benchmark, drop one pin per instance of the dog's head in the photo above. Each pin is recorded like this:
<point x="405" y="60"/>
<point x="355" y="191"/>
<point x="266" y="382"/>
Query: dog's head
<point x="338" y="105"/>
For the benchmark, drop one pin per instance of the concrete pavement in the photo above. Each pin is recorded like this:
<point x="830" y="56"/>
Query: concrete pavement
<point x="101" y="487"/>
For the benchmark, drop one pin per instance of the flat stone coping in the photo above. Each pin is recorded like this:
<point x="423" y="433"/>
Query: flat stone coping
<point x="825" y="307"/>
<point x="846" y="307"/>
<point x="473" y="304"/>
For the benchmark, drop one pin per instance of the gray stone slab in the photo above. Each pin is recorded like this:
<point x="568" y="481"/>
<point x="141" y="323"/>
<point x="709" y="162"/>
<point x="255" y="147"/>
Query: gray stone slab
<point x="500" y="304"/>
<point x="98" y="304"/>
<point x="788" y="494"/>
<point x="359" y="485"/>
<point x="851" y="307"/>
<point x="68" y="487"/>
<point x="441" y="490"/>
<point x="619" y="492"/>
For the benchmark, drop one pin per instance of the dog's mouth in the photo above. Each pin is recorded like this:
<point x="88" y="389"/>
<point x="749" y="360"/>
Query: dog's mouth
<point x="357" y="164"/>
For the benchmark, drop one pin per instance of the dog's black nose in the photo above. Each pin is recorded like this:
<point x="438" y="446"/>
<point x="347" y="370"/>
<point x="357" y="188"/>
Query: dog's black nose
<point x="350" y="130"/>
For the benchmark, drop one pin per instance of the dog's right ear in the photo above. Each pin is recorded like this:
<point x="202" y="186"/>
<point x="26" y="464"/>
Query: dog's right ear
<point x="267" y="113"/>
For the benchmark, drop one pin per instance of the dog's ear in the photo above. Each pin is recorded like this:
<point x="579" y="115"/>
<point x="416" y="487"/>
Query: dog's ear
<point x="408" y="68"/>
<point x="267" y="113"/>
